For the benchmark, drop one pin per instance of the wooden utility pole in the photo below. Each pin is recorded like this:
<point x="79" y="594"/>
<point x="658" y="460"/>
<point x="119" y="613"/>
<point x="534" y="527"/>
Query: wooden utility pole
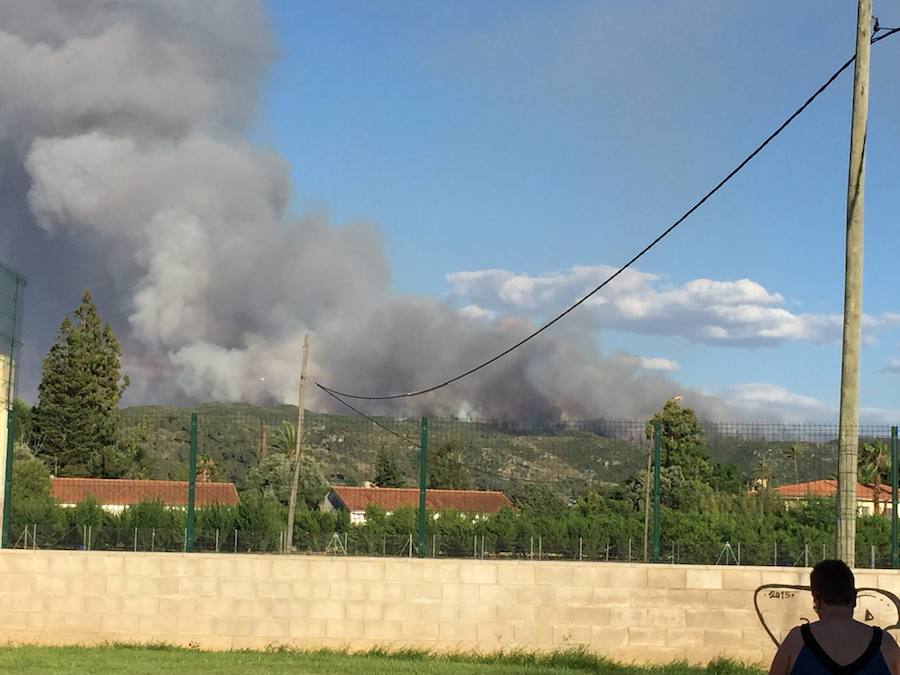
<point x="849" y="422"/>
<point x="647" y="505"/>
<point x="298" y="455"/>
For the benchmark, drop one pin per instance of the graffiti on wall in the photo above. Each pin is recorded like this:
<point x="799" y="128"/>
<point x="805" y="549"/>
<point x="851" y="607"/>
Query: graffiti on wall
<point x="780" y="607"/>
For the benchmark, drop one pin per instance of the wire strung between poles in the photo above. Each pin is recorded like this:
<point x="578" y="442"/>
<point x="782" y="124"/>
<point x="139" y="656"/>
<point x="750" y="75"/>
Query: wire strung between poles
<point x="646" y="249"/>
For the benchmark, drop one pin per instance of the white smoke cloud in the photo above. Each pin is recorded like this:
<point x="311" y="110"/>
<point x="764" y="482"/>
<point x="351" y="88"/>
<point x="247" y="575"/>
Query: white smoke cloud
<point x="123" y="160"/>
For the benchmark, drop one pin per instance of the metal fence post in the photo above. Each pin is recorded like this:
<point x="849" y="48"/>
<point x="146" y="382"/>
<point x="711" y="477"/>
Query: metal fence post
<point x="423" y="483"/>
<point x="895" y="552"/>
<point x="657" y="446"/>
<point x="192" y="487"/>
<point x="7" y="480"/>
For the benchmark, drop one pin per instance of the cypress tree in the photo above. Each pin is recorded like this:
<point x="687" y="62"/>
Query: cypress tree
<point x="76" y="421"/>
<point x="388" y="473"/>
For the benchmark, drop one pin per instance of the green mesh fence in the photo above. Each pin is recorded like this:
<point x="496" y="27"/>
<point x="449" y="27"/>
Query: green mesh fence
<point x="12" y="287"/>
<point x="737" y="493"/>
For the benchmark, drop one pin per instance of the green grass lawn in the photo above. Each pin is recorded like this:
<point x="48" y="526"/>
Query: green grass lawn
<point x="162" y="659"/>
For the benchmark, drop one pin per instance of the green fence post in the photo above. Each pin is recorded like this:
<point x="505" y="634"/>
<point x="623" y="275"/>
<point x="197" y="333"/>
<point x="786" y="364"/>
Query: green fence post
<point x="895" y="554"/>
<point x="192" y="485"/>
<point x="423" y="483"/>
<point x="657" y="444"/>
<point x="7" y="480"/>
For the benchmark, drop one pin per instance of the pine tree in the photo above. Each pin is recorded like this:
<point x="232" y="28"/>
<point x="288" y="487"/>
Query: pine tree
<point x="388" y="473"/>
<point x="445" y="470"/>
<point x="76" y="420"/>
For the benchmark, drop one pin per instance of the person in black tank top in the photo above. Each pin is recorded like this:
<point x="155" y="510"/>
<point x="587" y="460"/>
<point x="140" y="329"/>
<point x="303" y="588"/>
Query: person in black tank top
<point x="836" y="643"/>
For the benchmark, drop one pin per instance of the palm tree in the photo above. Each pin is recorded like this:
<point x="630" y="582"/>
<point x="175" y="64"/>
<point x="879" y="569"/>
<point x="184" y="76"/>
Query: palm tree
<point x="284" y="439"/>
<point x="874" y="463"/>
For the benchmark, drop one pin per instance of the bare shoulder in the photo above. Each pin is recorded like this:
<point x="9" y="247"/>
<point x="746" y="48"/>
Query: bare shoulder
<point x="787" y="653"/>
<point x="891" y="652"/>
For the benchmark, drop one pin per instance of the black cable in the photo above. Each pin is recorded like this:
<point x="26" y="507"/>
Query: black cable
<point x="624" y="267"/>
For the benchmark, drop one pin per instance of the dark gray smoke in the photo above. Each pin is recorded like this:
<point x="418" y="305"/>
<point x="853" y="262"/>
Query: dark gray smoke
<point x="124" y="167"/>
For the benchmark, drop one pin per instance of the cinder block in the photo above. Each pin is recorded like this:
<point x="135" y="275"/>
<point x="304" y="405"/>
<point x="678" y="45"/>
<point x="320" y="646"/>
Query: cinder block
<point x="642" y="655"/>
<point x="236" y="626"/>
<point x="695" y="599"/>
<point x="437" y="612"/>
<point x="287" y="608"/>
<point x="311" y="590"/>
<point x="608" y="637"/>
<point x="120" y="623"/>
<point x="155" y="624"/>
<point x="68" y="563"/>
<point x="478" y="572"/>
<point x="326" y="609"/>
<point x="722" y="637"/>
<point x="50" y="585"/>
<point x="462" y="594"/>
<point x="125" y="585"/>
<point x="515" y="613"/>
<point x="308" y="629"/>
<point x="253" y="608"/>
<point x="194" y="625"/>
<point x="575" y="595"/>
<point x="441" y="572"/>
<point x="500" y="633"/>
<point x="552" y="574"/>
<point x="66" y="604"/>
<point x="666" y="577"/>
<point x="685" y="637"/>
<point x="386" y="592"/>
<point x="628" y="576"/>
<point x="18" y="583"/>
<point x="713" y="619"/>
<point x="651" y="598"/>
<point x="402" y="570"/>
<point x="237" y="588"/>
<point x="14" y="621"/>
<point x="102" y="563"/>
<point x="365" y="570"/>
<point x="595" y="575"/>
<point x="497" y="594"/>
<point x="355" y="591"/>
<point x="419" y="591"/>
<point x="477" y="613"/>
<point x="703" y="655"/>
<point x="400" y="611"/>
<point x="290" y="568"/>
<point x="421" y="630"/>
<point x="253" y="567"/>
<point x="139" y="604"/>
<point x="383" y="630"/>
<point x="665" y="618"/>
<point x="457" y="631"/>
<point x="742" y="580"/>
<point x="202" y="587"/>
<point x="143" y="565"/>
<point x="566" y="636"/>
<point x="647" y="637"/>
<point x="536" y="595"/>
<point x="622" y="616"/>
<point x="329" y="569"/>
<point x="365" y="611"/>
<point x="271" y="627"/>
<point x="346" y="629"/>
<point x="512" y="572"/>
<point x="704" y="579"/>
<point x="730" y="599"/>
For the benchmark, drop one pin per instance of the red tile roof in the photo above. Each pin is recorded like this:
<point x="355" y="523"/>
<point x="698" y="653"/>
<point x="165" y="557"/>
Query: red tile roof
<point x="125" y="491"/>
<point x="390" y="499"/>
<point x="824" y="488"/>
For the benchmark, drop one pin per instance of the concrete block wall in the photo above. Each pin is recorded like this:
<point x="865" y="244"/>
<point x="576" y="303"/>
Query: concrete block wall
<point x="629" y="612"/>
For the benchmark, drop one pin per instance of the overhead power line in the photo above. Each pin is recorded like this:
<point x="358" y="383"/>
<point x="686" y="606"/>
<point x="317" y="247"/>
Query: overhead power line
<point x="419" y="392"/>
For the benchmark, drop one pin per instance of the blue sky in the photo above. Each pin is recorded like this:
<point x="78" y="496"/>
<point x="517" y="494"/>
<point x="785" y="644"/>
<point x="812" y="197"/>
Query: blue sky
<point x="535" y="137"/>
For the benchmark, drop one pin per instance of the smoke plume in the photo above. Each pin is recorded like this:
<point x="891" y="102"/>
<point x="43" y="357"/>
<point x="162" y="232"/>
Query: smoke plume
<point x="124" y="166"/>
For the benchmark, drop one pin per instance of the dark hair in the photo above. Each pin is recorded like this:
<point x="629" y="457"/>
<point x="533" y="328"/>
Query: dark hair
<point x="833" y="583"/>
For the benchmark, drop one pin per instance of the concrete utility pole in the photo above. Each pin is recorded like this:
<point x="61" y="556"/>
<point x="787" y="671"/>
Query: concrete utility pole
<point x="849" y="423"/>
<point x="292" y="506"/>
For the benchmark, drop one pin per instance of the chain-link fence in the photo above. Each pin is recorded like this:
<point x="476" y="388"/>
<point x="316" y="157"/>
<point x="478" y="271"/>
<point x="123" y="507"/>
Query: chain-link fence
<point x="220" y="479"/>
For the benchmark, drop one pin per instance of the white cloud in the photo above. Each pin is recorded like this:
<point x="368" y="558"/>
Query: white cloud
<point x="655" y="363"/>
<point x="765" y="401"/>
<point x="477" y="313"/>
<point x="740" y="312"/>
<point x="892" y="366"/>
